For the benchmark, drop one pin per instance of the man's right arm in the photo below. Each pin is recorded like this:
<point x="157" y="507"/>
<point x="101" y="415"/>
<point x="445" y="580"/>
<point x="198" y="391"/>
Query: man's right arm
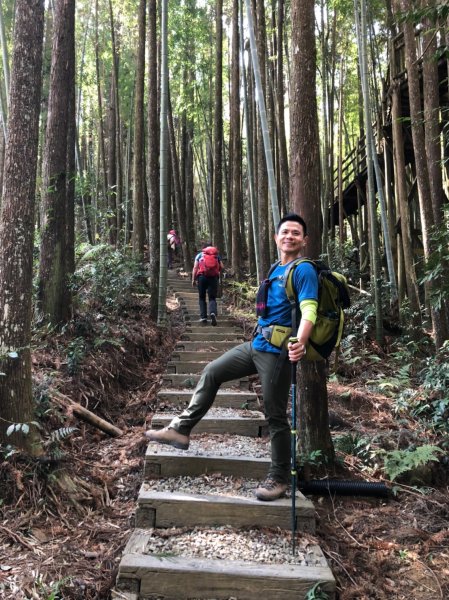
<point x="194" y="272"/>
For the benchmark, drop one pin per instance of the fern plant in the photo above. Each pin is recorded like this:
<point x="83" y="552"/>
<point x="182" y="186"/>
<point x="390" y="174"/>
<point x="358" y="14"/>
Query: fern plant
<point x="397" y="462"/>
<point x="317" y="593"/>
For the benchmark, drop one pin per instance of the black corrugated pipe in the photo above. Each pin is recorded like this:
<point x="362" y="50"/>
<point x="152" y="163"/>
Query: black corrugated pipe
<point x="344" y="488"/>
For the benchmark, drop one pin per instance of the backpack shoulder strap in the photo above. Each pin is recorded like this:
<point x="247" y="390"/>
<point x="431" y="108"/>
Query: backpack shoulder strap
<point x="288" y="278"/>
<point x="272" y="268"/>
<point x="291" y="292"/>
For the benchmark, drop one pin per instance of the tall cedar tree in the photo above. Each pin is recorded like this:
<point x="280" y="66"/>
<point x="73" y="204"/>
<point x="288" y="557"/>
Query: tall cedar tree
<point x="54" y="295"/>
<point x="218" y="236"/>
<point x="138" y="160"/>
<point x="235" y="144"/>
<point x="263" y="226"/>
<point x="312" y="412"/>
<point x="153" y="158"/>
<point x="422" y="172"/>
<point x="17" y="224"/>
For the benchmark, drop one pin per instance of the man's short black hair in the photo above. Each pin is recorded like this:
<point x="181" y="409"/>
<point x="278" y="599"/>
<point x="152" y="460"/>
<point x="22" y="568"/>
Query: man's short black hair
<point x="292" y="217"/>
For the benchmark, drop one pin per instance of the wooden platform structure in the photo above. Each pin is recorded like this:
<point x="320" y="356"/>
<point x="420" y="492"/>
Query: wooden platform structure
<point x="145" y="574"/>
<point x="354" y="170"/>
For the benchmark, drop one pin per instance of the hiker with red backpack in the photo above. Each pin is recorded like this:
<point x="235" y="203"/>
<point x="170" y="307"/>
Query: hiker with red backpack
<point x="206" y="274"/>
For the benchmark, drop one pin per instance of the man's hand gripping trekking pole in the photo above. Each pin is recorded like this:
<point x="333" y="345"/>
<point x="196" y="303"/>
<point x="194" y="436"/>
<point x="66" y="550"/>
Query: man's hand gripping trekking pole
<point x="296" y="349"/>
<point x="295" y="352"/>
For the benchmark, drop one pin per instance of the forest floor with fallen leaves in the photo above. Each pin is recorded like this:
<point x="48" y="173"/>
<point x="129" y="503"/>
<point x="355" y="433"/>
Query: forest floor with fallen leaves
<point x="65" y="519"/>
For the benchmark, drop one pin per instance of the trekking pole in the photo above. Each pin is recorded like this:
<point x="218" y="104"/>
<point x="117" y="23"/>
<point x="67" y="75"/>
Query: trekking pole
<point x="293" y="340"/>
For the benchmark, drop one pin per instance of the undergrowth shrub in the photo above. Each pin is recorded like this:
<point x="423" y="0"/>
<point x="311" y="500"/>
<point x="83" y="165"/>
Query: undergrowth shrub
<point x="106" y="278"/>
<point x="429" y="402"/>
<point x="399" y="462"/>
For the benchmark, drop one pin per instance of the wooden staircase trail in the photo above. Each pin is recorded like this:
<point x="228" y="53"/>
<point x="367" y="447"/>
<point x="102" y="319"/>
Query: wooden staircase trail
<point x="148" y="571"/>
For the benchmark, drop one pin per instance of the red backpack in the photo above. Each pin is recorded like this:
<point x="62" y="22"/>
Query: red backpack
<point x="208" y="264"/>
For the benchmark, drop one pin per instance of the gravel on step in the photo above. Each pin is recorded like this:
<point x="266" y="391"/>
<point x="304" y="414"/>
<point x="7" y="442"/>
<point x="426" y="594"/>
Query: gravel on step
<point x="267" y="546"/>
<point x="212" y="484"/>
<point x="221" y="445"/>
<point x="223" y="413"/>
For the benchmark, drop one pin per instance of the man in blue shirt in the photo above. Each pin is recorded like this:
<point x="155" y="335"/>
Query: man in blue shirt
<point x="262" y="357"/>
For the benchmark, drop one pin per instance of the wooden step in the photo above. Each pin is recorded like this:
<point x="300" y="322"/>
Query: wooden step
<point x="220" y="327"/>
<point x="187" y="367"/>
<point x="182" y="577"/>
<point x="165" y="461"/>
<point x="253" y="425"/>
<point x="182" y="509"/>
<point x="205" y="356"/>
<point x="189" y="381"/>
<point x="206" y="345"/>
<point x="224" y="398"/>
<point x="193" y="317"/>
<point x="210" y="335"/>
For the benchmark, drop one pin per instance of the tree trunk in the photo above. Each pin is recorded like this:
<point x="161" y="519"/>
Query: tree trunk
<point x="53" y="293"/>
<point x="180" y="208"/>
<point x="163" y="165"/>
<point x="304" y="139"/>
<point x="313" y="412"/>
<point x="217" y="234"/>
<point x="112" y="166"/>
<point x="118" y="195"/>
<point x="101" y="141"/>
<point x="314" y="433"/>
<point x="138" y="236"/>
<point x="253" y="243"/>
<point x="262" y="226"/>
<point x="422" y="173"/>
<point x="401" y="194"/>
<point x="71" y="165"/>
<point x="432" y="116"/>
<point x="153" y="159"/>
<point x="17" y="227"/>
<point x="235" y="146"/>
<point x="280" y="94"/>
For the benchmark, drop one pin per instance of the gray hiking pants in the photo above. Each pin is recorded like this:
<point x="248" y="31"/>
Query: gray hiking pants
<point x="242" y="361"/>
<point x="207" y="285"/>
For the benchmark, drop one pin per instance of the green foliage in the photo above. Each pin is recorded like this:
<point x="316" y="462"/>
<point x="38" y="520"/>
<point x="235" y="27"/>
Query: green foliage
<point x="429" y="403"/>
<point x="75" y="353"/>
<point x="51" y="591"/>
<point x="437" y="265"/>
<point x="313" y="459"/>
<point x="106" y="279"/>
<point x="53" y="442"/>
<point x="317" y="593"/>
<point x="356" y="445"/>
<point x="18" y="427"/>
<point x="397" y="462"/>
<point x="242" y="293"/>
<point x="394" y="382"/>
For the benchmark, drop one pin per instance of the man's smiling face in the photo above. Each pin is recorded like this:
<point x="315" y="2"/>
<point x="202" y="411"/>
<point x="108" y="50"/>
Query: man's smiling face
<point x="291" y="239"/>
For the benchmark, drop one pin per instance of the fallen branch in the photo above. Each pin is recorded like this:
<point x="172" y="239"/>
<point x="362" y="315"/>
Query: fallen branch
<point x="359" y="290"/>
<point x="88" y="416"/>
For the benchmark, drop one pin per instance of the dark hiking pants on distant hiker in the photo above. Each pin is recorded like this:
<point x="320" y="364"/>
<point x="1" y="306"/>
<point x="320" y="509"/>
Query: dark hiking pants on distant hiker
<point x="207" y="285"/>
<point x="242" y="361"/>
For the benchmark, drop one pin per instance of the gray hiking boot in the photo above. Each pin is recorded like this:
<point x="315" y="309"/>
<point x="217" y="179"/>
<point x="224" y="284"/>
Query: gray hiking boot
<point x="169" y="436"/>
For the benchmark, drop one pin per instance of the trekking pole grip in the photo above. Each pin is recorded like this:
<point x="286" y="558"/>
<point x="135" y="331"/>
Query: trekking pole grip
<point x="293" y="340"/>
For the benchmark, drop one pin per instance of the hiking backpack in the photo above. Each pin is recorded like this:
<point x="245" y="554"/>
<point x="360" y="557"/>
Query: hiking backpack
<point x="333" y="298"/>
<point x="208" y="264"/>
